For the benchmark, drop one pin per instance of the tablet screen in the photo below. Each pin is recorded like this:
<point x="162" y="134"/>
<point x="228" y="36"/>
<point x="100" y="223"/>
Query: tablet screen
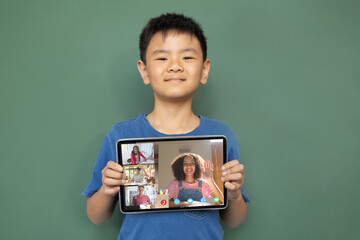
<point x="179" y="173"/>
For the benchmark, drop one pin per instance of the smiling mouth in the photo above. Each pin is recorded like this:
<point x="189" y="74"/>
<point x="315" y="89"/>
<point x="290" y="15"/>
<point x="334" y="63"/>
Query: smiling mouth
<point x="174" y="80"/>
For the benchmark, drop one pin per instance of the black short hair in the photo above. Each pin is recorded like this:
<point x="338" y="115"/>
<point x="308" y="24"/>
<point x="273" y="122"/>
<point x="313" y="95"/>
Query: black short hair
<point x="167" y="22"/>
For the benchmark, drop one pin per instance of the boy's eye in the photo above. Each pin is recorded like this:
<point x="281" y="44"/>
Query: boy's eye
<point x="161" y="59"/>
<point x="188" y="57"/>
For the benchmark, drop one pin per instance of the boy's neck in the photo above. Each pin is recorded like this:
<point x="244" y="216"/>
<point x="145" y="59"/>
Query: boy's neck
<point x="173" y="118"/>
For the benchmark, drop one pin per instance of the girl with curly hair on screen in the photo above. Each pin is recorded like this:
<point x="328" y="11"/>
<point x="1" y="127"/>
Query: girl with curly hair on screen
<point x="193" y="179"/>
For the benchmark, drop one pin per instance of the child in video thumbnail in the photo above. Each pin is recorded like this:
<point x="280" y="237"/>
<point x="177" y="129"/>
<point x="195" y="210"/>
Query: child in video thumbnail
<point x="188" y="168"/>
<point x="138" y="177"/>
<point x="141" y="198"/>
<point x="136" y="155"/>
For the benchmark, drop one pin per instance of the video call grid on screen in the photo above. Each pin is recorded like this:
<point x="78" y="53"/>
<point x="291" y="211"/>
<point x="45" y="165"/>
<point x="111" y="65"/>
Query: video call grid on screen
<point x="182" y="173"/>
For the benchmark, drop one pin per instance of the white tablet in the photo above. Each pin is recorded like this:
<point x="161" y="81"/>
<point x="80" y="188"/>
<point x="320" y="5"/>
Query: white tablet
<point x="172" y="173"/>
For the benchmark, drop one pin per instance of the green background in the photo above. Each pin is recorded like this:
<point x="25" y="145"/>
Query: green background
<point x="285" y="75"/>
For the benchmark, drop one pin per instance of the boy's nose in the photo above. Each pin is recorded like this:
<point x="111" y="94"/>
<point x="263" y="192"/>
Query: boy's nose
<point x="175" y="66"/>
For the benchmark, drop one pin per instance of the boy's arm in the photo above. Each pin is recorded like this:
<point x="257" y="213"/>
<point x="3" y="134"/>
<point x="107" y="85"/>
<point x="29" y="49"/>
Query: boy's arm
<point x="233" y="176"/>
<point x="101" y="205"/>
<point x="235" y="213"/>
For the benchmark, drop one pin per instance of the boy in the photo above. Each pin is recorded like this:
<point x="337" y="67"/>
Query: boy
<point x="173" y="61"/>
<point x="141" y="198"/>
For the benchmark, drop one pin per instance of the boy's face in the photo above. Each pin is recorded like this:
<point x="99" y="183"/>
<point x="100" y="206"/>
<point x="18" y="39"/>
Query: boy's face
<point x="174" y="66"/>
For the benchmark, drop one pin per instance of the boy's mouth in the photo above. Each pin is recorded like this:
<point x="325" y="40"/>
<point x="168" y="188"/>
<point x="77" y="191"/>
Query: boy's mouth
<point x="175" y="80"/>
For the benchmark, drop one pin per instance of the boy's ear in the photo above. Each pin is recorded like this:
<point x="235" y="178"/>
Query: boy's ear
<point x="143" y="72"/>
<point x="205" y="71"/>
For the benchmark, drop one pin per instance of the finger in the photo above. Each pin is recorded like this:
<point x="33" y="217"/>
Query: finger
<point x="113" y="182"/>
<point x="110" y="173"/>
<point x="206" y="164"/>
<point x="233" y="177"/>
<point x="115" y="166"/>
<point x="232" y="186"/>
<point x="239" y="168"/>
<point x="111" y="190"/>
<point x="230" y="164"/>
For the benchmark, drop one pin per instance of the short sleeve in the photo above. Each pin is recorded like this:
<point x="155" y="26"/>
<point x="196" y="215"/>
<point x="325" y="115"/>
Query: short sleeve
<point x="206" y="189"/>
<point x="234" y="154"/>
<point x="103" y="157"/>
<point x="173" y="189"/>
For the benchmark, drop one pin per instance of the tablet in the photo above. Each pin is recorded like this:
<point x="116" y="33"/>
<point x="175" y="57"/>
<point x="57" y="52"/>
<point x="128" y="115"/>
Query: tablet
<point x="172" y="173"/>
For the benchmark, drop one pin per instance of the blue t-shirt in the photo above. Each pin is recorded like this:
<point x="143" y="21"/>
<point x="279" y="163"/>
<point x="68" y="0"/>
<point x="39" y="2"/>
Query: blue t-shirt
<point x="165" y="225"/>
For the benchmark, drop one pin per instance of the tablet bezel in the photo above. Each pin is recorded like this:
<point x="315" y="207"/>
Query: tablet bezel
<point x="121" y="193"/>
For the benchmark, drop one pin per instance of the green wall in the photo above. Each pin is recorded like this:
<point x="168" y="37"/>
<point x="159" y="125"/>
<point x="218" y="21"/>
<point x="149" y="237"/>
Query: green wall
<point x="285" y="75"/>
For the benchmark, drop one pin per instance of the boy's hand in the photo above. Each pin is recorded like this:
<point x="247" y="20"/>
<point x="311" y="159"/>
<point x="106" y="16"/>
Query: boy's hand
<point x="233" y="176"/>
<point x="112" y="178"/>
